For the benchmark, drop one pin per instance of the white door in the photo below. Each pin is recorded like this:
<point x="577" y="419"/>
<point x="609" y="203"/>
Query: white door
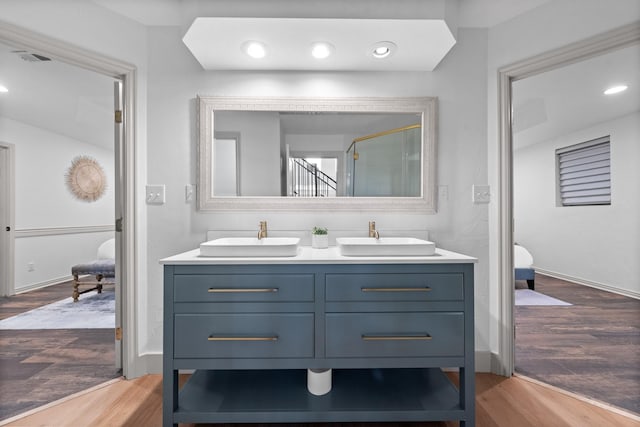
<point x="6" y="220"/>
<point x="119" y="212"/>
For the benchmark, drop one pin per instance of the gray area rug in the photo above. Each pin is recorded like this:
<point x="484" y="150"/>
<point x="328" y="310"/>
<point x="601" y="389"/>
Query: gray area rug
<point x="92" y="311"/>
<point x="529" y="297"/>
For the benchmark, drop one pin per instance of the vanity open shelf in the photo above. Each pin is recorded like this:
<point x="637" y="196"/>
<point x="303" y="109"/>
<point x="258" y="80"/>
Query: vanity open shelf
<point x="282" y="396"/>
<point x="251" y="328"/>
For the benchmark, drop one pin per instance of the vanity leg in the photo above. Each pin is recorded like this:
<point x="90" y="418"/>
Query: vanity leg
<point x="169" y="398"/>
<point x="467" y="396"/>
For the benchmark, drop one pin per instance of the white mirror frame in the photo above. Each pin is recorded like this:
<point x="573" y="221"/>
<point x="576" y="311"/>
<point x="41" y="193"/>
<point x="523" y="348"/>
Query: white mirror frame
<point x="207" y="105"/>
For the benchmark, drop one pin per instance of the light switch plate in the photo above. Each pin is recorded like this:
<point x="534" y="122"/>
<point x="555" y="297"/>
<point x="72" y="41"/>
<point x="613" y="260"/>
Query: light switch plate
<point x="481" y="194"/>
<point x="443" y="192"/>
<point x="189" y="192"/>
<point x="155" y="195"/>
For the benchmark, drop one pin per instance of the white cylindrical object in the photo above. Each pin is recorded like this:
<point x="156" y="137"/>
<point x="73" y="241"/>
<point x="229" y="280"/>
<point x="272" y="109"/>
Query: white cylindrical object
<point x="319" y="381"/>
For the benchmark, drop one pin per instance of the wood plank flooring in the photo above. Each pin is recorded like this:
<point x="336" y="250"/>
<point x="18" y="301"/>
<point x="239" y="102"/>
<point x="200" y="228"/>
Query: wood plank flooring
<point x="605" y="326"/>
<point x="591" y="348"/>
<point x="501" y="402"/>
<point x="41" y="366"/>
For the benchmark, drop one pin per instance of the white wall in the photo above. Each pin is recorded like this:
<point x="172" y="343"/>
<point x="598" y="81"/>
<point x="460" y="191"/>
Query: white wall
<point x="174" y="80"/>
<point x="317" y="143"/>
<point x="42" y="201"/>
<point x="553" y="25"/>
<point x="593" y="244"/>
<point x="467" y="128"/>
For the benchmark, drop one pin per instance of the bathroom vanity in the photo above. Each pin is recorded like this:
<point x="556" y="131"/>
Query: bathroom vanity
<point x="249" y="328"/>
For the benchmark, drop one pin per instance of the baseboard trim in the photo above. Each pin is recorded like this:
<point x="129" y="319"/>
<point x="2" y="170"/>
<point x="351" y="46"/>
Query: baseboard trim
<point x="34" y="286"/>
<point x="590" y="283"/>
<point x="152" y="363"/>
<point x="483" y="361"/>
<point x="496" y="365"/>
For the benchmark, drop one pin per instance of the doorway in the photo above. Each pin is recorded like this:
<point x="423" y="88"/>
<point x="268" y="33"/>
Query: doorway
<point x="61" y="121"/>
<point x="127" y="252"/>
<point x="537" y="112"/>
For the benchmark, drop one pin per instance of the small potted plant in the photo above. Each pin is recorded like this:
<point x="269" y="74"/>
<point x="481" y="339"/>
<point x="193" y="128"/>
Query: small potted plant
<point x="319" y="238"/>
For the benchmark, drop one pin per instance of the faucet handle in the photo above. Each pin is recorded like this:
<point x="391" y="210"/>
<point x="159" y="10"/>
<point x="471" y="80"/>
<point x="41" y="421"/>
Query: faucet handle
<point x="372" y="230"/>
<point x="262" y="232"/>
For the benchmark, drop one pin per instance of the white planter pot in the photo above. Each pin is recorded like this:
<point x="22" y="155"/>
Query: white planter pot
<point x="320" y="241"/>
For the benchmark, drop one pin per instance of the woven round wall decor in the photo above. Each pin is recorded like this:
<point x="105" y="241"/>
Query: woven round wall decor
<point x="86" y="179"/>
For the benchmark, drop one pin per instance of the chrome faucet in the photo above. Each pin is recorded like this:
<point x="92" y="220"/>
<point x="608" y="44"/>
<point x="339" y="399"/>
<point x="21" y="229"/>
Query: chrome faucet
<point x="263" y="230"/>
<point x="372" y="230"/>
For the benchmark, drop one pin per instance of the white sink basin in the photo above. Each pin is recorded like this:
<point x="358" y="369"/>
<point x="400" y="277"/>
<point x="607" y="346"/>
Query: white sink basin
<point x="385" y="246"/>
<point x="250" y="247"/>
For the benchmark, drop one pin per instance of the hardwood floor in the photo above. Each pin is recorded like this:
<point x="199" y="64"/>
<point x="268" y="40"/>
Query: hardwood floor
<point x="607" y="320"/>
<point x="591" y="348"/>
<point x="501" y="402"/>
<point x="41" y="366"/>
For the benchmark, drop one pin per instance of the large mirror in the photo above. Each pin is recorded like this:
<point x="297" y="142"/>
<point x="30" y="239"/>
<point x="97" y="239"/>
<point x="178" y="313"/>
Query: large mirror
<point x="316" y="154"/>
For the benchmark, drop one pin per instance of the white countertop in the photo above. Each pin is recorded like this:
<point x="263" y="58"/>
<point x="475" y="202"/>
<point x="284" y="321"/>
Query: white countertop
<point x="309" y="255"/>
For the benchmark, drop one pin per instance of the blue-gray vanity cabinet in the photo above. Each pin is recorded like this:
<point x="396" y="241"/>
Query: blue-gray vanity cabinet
<point x="251" y="331"/>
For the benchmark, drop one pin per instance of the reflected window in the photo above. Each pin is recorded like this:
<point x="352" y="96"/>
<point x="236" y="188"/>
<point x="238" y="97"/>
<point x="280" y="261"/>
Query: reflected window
<point x="313" y="177"/>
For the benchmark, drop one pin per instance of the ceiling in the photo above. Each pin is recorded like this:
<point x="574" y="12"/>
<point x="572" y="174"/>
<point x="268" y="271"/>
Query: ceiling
<point x="61" y="98"/>
<point x="566" y="99"/>
<point x="422" y="32"/>
<point x="217" y="43"/>
<point x="78" y="103"/>
<point x="471" y="13"/>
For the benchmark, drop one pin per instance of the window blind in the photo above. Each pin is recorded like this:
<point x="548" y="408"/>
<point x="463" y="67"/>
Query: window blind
<point x="584" y="173"/>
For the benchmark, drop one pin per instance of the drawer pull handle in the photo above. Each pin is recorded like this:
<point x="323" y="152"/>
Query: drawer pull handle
<point x="218" y="338"/>
<point x="425" y="337"/>
<point x="423" y="289"/>
<point x="241" y="290"/>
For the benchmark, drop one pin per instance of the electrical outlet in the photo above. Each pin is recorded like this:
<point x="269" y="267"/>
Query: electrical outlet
<point x="155" y="195"/>
<point x="443" y="192"/>
<point x="481" y="194"/>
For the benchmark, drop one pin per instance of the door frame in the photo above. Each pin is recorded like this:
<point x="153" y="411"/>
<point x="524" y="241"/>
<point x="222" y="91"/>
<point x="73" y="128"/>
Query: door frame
<point x="7" y="275"/>
<point x="619" y="38"/>
<point x="124" y="184"/>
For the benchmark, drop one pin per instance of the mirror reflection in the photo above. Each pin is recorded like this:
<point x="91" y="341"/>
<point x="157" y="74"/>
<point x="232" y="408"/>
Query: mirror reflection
<point x="316" y="153"/>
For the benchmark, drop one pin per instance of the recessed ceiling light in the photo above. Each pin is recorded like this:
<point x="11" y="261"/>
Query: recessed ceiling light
<point x="3" y="89"/>
<point x="382" y="50"/>
<point x="321" y="50"/>
<point x="615" y="89"/>
<point x="254" y="49"/>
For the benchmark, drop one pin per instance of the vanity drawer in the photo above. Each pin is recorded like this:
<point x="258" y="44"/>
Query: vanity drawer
<point x="265" y="335"/>
<point x="395" y="334"/>
<point x="243" y="287"/>
<point x="395" y="287"/>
